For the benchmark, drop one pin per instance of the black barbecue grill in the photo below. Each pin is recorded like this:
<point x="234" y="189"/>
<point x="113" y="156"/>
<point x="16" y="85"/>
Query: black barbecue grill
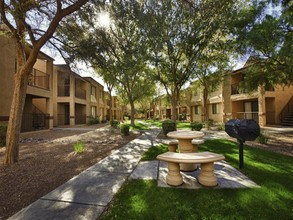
<point x="243" y="130"/>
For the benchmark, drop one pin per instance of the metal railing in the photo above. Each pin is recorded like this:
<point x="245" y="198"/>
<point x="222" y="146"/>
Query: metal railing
<point x="236" y="89"/>
<point x="80" y="119"/>
<point x="248" y="115"/>
<point x="80" y="93"/>
<point x="64" y="90"/>
<point x="288" y="109"/>
<point x="34" y="121"/>
<point x="39" y="79"/>
<point x="63" y="119"/>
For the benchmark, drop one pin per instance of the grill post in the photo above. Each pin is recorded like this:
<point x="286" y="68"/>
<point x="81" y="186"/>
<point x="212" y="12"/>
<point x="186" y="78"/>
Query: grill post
<point x="240" y="146"/>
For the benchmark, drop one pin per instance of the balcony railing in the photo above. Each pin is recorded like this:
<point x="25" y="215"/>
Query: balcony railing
<point x="80" y="119"/>
<point x="248" y="115"/>
<point x="39" y="79"/>
<point x="236" y="89"/>
<point x="32" y="122"/>
<point x="64" y="90"/>
<point x="80" y="93"/>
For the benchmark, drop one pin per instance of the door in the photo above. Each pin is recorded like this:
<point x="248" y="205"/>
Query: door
<point x="66" y="114"/>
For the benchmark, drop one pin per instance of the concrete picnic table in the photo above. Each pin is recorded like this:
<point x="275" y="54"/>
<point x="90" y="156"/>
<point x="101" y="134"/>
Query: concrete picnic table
<point x="184" y="138"/>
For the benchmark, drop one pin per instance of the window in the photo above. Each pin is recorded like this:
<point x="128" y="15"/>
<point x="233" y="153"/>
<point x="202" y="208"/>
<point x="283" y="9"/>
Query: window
<point x="196" y="110"/>
<point x="93" y="91"/>
<point x="215" y="108"/>
<point x="93" y="111"/>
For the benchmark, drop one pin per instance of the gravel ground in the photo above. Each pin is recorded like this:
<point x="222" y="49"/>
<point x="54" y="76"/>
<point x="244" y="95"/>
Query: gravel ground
<point x="47" y="160"/>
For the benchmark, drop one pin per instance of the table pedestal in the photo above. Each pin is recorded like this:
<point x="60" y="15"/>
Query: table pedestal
<point x="207" y="176"/>
<point x="185" y="146"/>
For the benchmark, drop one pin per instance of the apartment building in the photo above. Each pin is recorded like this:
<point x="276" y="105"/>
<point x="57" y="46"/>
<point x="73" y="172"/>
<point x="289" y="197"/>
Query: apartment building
<point x="267" y="106"/>
<point x="96" y="102"/>
<point x="77" y="99"/>
<point x="38" y="108"/>
<point x="162" y="109"/>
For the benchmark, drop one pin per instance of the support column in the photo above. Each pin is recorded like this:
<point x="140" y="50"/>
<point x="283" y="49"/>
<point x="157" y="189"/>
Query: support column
<point x="174" y="177"/>
<point x="261" y="107"/>
<point x="207" y="176"/>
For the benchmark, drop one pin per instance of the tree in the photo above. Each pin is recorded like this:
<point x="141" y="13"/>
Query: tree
<point x="264" y="30"/>
<point x="34" y="22"/>
<point x="119" y="50"/>
<point x="178" y="32"/>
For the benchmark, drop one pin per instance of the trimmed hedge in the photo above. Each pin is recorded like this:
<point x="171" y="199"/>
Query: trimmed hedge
<point x="168" y="126"/>
<point x="124" y="128"/>
<point x="196" y="126"/>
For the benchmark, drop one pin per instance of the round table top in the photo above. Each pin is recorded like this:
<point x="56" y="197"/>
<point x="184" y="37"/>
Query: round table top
<point x="184" y="134"/>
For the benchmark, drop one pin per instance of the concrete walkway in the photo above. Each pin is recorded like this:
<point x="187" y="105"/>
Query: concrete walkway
<point x="87" y="195"/>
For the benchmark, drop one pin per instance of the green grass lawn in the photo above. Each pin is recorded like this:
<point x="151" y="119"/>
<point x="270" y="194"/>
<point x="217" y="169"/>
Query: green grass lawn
<point x="140" y="199"/>
<point x="179" y="124"/>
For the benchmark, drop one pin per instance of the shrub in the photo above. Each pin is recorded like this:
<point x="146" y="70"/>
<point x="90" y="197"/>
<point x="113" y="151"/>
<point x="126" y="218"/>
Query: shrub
<point x="124" y="128"/>
<point x="168" y="125"/>
<point x="196" y="126"/>
<point x="79" y="147"/>
<point x="263" y="137"/>
<point x="93" y="121"/>
<point x="114" y="123"/>
<point x="209" y="123"/>
<point x="3" y="130"/>
<point x="182" y="117"/>
<point x="221" y="126"/>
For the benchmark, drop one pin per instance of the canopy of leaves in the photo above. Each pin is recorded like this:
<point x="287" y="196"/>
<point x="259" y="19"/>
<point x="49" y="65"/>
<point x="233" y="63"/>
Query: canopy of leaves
<point x="264" y="29"/>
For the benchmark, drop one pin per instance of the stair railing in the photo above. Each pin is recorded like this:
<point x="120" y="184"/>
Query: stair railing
<point x="288" y="108"/>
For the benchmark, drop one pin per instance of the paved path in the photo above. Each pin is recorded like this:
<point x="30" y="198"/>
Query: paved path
<point x="87" y="195"/>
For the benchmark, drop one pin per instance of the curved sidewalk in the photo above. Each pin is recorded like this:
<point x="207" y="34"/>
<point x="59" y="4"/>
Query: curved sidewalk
<point x="87" y="195"/>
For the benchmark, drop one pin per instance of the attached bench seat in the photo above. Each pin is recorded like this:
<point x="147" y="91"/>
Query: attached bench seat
<point x="205" y="159"/>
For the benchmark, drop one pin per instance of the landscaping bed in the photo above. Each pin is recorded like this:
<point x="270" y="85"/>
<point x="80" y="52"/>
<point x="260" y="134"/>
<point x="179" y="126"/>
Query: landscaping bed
<point x="47" y="160"/>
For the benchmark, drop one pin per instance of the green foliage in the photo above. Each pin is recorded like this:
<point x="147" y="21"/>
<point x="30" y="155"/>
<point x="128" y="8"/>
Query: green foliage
<point x="263" y="137"/>
<point x="124" y="128"/>
<point x="140" y="199"/>
<point x="79" y="147"/>
<point x="183" y="125"/>
<point x="209" y="123"/>
<point x="182" y="117"/>
<point x="3" y="130"/>
<point x="139" y="126"/>
<point x="93" y="121"/>
<point x="268" y="37"/>
<point x="168" y="126"/>
<point x="153" y="152"/>
<point x="196" y="126"/>
<point x="114" y="123"/>
<point x="221" y="126"/>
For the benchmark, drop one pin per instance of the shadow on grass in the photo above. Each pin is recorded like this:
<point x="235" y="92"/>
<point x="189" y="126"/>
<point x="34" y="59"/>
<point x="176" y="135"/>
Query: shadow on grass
<point x="140" y="199"/>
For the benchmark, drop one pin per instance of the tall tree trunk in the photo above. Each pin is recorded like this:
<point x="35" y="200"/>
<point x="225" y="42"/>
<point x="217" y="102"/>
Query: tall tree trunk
<point x="205" y="105"/>
<point x="174" y="108"/>
<point x="132" y="111"/>
<point x="15" y="117"/>
<point x="110" y="105"/>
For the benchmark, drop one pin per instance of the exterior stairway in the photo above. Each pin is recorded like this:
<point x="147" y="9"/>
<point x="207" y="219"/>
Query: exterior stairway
<point x="286" y="116"/>
<point x="287" y="120"/>
<point x="39" y="119"/>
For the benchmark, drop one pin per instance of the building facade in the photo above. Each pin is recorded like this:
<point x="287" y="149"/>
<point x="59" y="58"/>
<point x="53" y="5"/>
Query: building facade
<point x="38" y="108"/>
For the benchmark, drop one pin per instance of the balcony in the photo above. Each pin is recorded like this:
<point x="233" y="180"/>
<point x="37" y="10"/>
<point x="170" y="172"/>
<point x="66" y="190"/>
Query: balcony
<point x="64" y="90"/>
<point x="39" y="79"/>
<point x="248" y="115"/>
<point x="80" y="93"/>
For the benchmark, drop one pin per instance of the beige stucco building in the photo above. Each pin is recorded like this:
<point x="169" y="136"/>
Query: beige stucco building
<point x="266" y="106"/>
<point x="38" y="108"/>
<point x="77" y="99"/>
